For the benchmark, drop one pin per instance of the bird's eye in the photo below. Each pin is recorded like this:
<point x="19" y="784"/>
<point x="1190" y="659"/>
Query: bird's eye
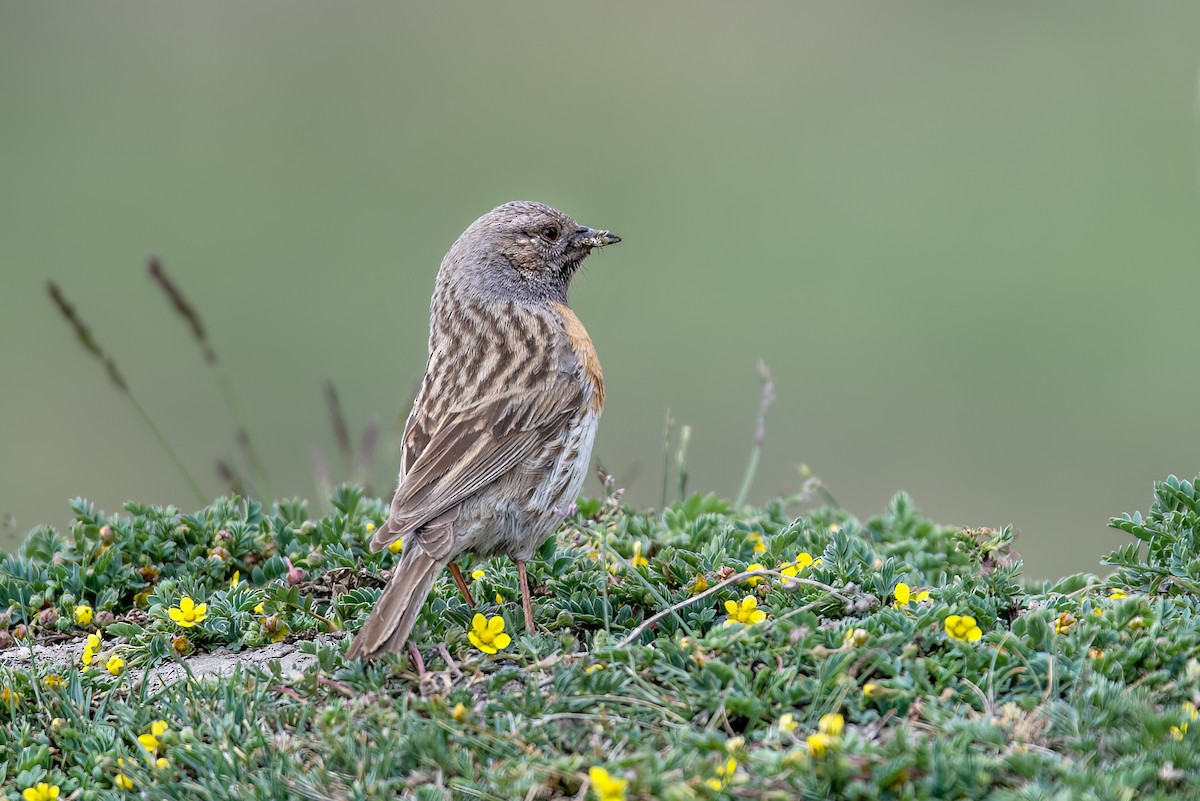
<point x="550" y="232"/>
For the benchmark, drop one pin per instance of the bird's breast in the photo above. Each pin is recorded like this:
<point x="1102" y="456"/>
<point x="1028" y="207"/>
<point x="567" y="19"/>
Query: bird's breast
<point x="585" y="352"/>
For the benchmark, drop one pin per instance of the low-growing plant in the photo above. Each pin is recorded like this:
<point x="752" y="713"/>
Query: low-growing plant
<point x="702" y="651"/>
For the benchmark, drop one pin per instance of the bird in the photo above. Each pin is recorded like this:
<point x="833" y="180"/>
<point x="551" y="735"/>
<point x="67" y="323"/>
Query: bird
<point x="499" y="439"/>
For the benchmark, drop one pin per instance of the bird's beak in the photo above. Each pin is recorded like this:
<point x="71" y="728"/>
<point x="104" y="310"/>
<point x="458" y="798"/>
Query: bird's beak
<point x="592" y="238"/>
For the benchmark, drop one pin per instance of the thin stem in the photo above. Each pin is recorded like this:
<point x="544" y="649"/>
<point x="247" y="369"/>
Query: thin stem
<point x="633" y="571"/>
<point x="187" y="312"/>
<point x="666" y="474"/>
<point x="674" y="610"/>
<point x="225" y="385"/>
<point x="162" y="440"/>
<point x="760" y="433"/>
<point x="329" y="624"/>
<point x="685" y="436"/>
<point x="603" y="549"/>
<point x="748" y="477"/>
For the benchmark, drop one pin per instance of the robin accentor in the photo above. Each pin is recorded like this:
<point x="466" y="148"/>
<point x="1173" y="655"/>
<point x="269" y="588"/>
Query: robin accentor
<point x="498" y="442"/>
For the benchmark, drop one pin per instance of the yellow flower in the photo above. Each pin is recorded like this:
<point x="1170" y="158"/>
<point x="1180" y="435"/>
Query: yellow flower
<point x="856" y="638"/>
<point x="499" y="598"/>
<point x="115" y="665"/>
<point x="180" y="644"/>
<point x="700" y="585"/>
<point x="478" y="574"/>
<point x="89" y="650"/>
<point x="724" y="774"/>
<point x="818" y="743"/>
<point x="83" y="615"/>
<point x="787" y="723"/>
<point x="1117" y="595"/>
<point x="832" y="724"/>
<point x="236" y="580"/>
<point x="53" y="680"/>
<point x="459" y="713"/>
<point x="369" y="527"/>
<point x="639" y="560"/>
<point x="275" y="627"/>
<point x="963" y="627"/>
<point x="870" y="689"/>
<point x="162" y="763"/>
<point x="260" y="608"/>
<point x="188" y="613"/>
<point x="149" y="742"/>
<point x="159" y="727"/>
<point x="803" y="560"/>
<point x="42" y="791"/>
<point x="488" y="634"/>
<point x="757" y="538"/>
<point x="1062" y="624"/>
<point x="753" y="581"/>
<point x="397" y="546"/>
<point x="1190" y="713"/>
<point x="122" y="781"/>
<point x="594" y="668"/>
<point x="746" y="612"/>
<point x="606" y="786"/>
<point x="904" y="594"/>
<point x="8" y="697"/>
<point x="792" y="569"/>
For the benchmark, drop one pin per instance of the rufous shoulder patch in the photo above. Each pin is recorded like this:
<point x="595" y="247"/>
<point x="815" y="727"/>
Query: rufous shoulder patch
<point x="585" y="351"/>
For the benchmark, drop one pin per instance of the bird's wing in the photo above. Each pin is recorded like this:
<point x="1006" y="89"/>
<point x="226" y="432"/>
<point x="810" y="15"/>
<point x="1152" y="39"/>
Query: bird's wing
<point x="470" y="449"/>
<point x="415" y="437"/>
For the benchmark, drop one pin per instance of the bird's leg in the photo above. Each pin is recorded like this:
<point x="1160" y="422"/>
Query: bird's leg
<point x="462" y="584"/>
<point x="526" y="601"/>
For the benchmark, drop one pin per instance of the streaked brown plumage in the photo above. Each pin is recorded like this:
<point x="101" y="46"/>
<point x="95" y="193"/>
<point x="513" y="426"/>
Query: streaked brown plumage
<point x="500" y="434"/>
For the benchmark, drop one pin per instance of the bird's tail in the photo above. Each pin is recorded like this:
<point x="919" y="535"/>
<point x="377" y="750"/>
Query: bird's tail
<point x="391" y="621"/>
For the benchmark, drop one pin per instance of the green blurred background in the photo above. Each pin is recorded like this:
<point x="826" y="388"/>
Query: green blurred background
<point x="963" y="236"/>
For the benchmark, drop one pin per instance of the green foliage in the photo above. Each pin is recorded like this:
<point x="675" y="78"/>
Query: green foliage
<point x="1166" y="557"/>
<point x="1076" y="689"/>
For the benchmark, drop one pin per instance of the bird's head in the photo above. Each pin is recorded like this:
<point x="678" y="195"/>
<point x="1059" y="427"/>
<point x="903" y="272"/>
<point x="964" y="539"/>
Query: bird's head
<point x="522" y="251"/>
